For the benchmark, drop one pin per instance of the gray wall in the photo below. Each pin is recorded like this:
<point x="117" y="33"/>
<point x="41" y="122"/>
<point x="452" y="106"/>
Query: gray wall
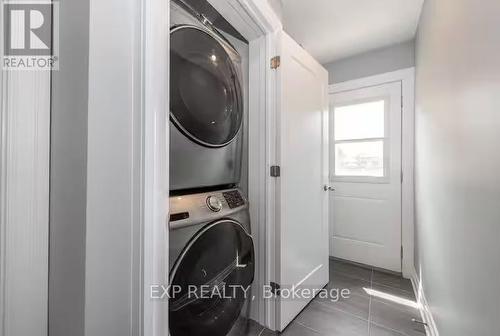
<point x="396" y="57"/>
<point x="458" y="164"/>
<point x="68" y="173"/>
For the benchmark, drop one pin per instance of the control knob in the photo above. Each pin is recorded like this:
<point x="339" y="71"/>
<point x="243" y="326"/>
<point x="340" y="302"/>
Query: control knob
<point x="214" y="203"/>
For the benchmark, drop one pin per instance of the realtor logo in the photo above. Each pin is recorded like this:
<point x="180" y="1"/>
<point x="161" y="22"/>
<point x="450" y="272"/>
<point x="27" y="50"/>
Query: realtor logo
<point x="30" y="35"/>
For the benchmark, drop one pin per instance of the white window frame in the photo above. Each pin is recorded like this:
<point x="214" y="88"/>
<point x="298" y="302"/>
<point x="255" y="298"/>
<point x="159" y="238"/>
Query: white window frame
<point x="386" y="141"/>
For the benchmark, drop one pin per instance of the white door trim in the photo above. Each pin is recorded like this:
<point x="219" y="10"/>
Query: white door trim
<point x="257" y="22"/>
<point x="3" y="179"/>
<point x="155" y="161"/>
<point x="24" y="199"/>
<point x="423" y="304"/>
<point x="407" y="79"/>
<point x="115" y="169"/>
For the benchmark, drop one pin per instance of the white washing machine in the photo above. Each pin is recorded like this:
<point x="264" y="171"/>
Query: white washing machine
<point x="208" y="93"/>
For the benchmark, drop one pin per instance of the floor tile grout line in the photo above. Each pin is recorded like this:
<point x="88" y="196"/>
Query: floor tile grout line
<point x="357" y="294"/>
<point x="369" y="316"/>
<point x="392" y="287"/>
<point x="371" y="283"/>
<point x="307" y="327"/>
<point x="342" y="311"/>
<point x="370" y="307"/>
<point x="351" y="276"/>
<point x="391" y="329"/>
<point x="393" y="306"/>
<point x="401" y="332"/>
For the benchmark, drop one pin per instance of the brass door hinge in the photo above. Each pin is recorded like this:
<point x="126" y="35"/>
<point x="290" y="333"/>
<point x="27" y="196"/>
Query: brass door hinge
<point x="275" y="62"/>
<point x="275" y="171"/>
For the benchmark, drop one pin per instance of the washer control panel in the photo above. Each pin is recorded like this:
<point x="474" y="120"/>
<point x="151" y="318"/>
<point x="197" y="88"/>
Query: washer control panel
<point x="191" y="209"/>
<point x="233" y="198"/>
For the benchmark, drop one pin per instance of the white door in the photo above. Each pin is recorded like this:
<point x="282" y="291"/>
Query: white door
<point x="365" y="154"/>
<point x="302" y="229"/>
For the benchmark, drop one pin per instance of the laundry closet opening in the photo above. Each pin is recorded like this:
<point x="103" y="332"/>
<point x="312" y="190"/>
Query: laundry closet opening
<point x="217" y="217"/>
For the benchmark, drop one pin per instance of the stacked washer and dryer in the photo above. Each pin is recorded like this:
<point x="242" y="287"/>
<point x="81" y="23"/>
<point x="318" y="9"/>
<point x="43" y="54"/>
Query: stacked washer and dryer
<point x="211" y="247"/>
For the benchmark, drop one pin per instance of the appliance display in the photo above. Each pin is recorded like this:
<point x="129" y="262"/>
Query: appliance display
<point x="207" y="104"/>
<point x="212" y="262"/>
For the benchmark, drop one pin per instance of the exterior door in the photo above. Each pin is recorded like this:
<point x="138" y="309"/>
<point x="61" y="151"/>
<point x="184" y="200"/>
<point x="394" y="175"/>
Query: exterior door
<point x="365" y="171"/>
<point x="302" y="232"/>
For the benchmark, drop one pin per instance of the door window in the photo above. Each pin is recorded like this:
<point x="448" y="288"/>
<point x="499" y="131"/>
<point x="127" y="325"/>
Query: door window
<point x="360" y="140"/>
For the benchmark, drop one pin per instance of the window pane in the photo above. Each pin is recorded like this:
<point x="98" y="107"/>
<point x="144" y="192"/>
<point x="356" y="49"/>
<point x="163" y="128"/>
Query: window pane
<point x="360" y="159"/>
<point x="360" y="121"/>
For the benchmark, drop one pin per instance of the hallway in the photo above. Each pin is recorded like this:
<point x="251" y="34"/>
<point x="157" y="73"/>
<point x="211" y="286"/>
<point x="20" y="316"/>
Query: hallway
<point x="380" y="304"/>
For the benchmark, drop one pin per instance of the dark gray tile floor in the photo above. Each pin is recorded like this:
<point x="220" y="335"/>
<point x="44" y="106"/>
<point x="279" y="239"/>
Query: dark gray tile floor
<point x="380" y="304"/>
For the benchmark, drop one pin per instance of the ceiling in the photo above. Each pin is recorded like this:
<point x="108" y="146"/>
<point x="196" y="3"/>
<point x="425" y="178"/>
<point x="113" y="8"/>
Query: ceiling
<point x="334" y="29"/>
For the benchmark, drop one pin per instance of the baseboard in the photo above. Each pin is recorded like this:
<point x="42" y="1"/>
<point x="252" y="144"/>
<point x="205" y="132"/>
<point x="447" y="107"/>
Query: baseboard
<point x="425" y="311"/>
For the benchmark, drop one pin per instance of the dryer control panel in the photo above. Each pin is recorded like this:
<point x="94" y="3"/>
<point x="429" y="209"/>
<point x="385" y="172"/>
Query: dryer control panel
<point x="187" y="210"/>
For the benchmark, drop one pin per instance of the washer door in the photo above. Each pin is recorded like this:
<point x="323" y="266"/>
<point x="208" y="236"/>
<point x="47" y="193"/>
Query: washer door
<point x="211" y="280"/>
<point x="205" y="92"/>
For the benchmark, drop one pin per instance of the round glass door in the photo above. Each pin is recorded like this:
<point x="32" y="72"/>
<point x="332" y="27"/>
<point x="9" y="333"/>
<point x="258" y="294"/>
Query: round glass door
<point x="211" y="281"/>
<point x="205" y="91"/>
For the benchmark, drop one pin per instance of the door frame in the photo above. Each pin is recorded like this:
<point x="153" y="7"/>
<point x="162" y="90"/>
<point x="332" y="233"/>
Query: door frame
<point x="258" y="23"/>
<point x="407" y="79"/>
<point x="25" y="117"/>
<point x="155" y="72"/>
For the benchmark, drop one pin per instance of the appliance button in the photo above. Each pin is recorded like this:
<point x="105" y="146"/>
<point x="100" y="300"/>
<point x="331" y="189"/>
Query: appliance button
<point x="233" y="199"/>
<point x="214" y="203"/>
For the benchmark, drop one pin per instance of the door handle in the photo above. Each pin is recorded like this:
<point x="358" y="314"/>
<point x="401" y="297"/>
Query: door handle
<point x="328" y="188"/>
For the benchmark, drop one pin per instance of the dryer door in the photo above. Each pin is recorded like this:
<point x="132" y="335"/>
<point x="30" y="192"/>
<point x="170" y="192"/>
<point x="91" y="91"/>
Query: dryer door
<point x="211" y="280"/>
<point x="206" y="101"/>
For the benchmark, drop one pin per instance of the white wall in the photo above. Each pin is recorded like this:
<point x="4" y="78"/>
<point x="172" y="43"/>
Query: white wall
<point x="396" y="57"/>
<point x="458" y="164"/>
<point x="113" y="290"/>
<point x="277" y="7"/>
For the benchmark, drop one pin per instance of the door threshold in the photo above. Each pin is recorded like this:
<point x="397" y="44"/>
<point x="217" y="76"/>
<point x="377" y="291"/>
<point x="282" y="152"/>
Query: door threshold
<point x="369" y="267"/>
